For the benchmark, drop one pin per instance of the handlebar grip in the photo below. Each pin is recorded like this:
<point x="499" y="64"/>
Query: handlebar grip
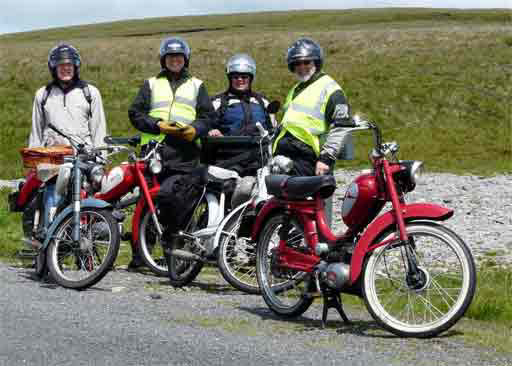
<point x="132" y="141"/>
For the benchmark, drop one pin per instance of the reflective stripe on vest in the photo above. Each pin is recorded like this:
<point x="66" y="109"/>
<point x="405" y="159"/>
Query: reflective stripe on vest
<point x="165" y="105"/>
<point x="304" y="116"/>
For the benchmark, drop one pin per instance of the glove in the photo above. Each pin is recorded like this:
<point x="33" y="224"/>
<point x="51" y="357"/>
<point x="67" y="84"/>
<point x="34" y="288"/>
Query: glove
<point x="181" y="131"/>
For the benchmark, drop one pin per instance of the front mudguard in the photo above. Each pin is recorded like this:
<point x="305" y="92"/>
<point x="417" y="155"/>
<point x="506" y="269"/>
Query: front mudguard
<point x="227" y="219"/>
<point x="84" y="204"/>
<point x="412" y="212"/>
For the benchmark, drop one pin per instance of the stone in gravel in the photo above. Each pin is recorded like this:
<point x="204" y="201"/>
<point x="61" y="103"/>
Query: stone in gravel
<point x="118" y="289"/>
<point x="155" y="296"/>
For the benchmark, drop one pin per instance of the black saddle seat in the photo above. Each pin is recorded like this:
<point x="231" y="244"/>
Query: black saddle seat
<point x="299" y="188"/>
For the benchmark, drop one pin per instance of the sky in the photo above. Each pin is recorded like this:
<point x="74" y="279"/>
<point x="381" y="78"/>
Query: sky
<point x="24" y="15"/>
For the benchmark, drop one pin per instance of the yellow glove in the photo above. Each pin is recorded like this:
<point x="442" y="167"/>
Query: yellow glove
<point x="179" y="130"/>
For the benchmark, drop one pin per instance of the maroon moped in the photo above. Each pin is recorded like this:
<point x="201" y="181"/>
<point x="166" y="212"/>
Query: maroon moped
<point x="416" y="276"/>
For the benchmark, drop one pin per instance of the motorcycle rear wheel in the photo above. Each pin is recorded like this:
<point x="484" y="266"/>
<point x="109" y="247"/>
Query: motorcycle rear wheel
<point x="237" y="255"/>
<point x="81" y="266"/>
<point x="284" y="290"/>
<point x="184" y="271"/>
<point x="430" y="303"/>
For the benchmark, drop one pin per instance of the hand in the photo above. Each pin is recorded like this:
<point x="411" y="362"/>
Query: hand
<point x="185" y="132"/>
<point x="215" y="133"/>
<point x="321" y="168"/>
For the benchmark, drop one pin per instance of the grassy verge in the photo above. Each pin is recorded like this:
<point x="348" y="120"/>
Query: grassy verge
<point x="419" y="73"/>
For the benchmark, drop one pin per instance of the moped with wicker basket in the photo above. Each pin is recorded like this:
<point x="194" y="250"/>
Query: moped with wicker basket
<point x="75" y="238"/>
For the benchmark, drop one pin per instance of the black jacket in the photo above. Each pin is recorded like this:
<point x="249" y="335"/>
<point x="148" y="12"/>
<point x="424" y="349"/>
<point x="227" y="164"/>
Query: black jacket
<point x="178" y="154"/>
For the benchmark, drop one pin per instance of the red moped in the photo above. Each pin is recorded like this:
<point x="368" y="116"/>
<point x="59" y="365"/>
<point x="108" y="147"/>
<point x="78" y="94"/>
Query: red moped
<point x="417" y="277"/>
<point x="135" y="182"/>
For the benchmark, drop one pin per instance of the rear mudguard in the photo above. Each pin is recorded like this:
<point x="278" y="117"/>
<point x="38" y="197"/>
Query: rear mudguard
<point x="226" y="219"/>
<point x="84" y="204"/>
<point x="268" y="208"/>
<point x="412" y="212"/>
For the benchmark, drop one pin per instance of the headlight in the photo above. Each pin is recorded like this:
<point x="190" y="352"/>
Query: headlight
<point x="281" y="164"/>
<point x="155" y="166"/>
<point x="96" y="175"/>
<point x="416" y="171"/>
<point x="408" y="178"/>
<point x="61" y="186"/>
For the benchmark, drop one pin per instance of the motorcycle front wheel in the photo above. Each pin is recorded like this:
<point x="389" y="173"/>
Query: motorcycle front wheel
<point x="150" y="245"/>
<point x="285" y="291"/>
<point x="81" y="265"/>
<point x="429" y="301"/>
<point x="183" y="271"/>
<point x="237" y="254"/>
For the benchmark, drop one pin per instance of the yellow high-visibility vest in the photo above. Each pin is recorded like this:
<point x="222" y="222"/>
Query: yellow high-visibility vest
<point x="179" y="107"/>
<point x="304" y="115"/>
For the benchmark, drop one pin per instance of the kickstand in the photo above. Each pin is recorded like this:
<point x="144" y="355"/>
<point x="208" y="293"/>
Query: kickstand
<point x="333" y="300"/>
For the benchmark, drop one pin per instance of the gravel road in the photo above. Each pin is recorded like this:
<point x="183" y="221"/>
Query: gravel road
<point x="138" y="319"/>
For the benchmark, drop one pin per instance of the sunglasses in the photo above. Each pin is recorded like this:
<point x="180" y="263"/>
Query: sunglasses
<point x="302" y="62"/>
<point x="240" y="76"/>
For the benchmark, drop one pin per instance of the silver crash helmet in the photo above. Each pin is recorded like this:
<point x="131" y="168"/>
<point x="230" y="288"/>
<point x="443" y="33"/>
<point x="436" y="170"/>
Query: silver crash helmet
<point x="243" y="190"/>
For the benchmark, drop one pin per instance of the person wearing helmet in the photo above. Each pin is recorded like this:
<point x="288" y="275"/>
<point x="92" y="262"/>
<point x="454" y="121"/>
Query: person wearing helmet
<point x="316" y="114"/>
<point x="174" y="108"/>
<point x="71" y="104"/>
<point x="238" y="109"/>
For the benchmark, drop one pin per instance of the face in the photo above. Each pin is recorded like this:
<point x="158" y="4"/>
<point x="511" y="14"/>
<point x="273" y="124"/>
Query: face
<point x="175" y="62"/>
<point x="303" y="67"/>
<point x="65" y="72"/>
<point x="240" y="82"/>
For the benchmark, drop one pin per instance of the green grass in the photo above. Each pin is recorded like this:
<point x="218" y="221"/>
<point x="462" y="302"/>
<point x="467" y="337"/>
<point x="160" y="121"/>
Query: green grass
<point x="438" y="81"/>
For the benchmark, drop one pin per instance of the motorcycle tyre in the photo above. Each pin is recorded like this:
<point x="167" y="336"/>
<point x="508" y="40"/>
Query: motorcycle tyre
<point x="108" y="260"/>
<point x="393" y="324"/>
<point x="303" y="304"/>
<point x="224" y="266"/>
<point x="144" y="253"/>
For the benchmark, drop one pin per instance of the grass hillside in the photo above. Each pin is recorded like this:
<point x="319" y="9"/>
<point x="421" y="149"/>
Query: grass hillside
<point x="436" y="80"/>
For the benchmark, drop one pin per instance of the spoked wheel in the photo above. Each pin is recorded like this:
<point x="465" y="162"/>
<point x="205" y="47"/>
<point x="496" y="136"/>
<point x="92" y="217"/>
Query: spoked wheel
<point x="237" y="254"/>
<point x="182" y="271"/>
<point x="81" y="265"/>
<point x="150" y="245"/>
<point x="284" y="290"/>
<point x="430" y="300"/>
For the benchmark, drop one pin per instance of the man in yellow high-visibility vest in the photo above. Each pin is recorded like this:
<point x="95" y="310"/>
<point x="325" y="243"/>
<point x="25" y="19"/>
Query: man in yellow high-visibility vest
<point x="316" y="114"/>
<point x="175" y="109"/>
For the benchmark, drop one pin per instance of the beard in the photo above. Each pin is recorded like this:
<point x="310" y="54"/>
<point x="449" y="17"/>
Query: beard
<point x="306" y="77"/>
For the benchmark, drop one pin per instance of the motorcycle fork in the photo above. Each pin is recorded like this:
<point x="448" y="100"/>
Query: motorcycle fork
<point x="77" y="182"/>
<point x="147" y="196"/>
<point x="408" y="243"/>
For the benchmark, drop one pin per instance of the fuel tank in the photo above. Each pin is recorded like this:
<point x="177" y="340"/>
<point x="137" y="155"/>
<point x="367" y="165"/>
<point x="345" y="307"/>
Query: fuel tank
<point x="359" y="202"/>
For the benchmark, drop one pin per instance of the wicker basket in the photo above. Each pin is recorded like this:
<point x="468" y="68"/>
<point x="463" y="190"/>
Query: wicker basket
<point x="51" y="154"/>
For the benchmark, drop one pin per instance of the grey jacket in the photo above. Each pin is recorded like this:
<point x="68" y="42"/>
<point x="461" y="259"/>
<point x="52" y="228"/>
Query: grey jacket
<point x="70" y="112"/>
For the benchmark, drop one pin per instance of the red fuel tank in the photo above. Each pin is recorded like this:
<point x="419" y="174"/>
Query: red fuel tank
<point x="359" y="201"/>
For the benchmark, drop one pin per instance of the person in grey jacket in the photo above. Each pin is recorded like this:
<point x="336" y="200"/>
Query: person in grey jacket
<point x="72" y="105"/>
